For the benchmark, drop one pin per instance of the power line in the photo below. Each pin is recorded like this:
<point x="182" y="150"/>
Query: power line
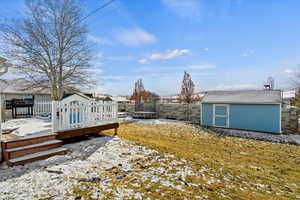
<point x="96" y="10"/>
<point x="110" y="11"/>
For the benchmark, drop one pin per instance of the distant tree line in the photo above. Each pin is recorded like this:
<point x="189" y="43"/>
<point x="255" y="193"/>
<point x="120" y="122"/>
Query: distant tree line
<point x="186" y="95"/>
<point x="142" y="95"/>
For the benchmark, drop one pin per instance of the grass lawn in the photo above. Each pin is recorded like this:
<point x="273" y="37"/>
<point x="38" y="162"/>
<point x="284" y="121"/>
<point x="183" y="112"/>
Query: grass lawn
<point x="224" y="167"/>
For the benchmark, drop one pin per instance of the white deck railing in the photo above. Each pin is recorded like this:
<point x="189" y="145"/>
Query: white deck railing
<point x="42" y="107"/>
<point x="39" y="107"/>
<point x="82" y="114"/>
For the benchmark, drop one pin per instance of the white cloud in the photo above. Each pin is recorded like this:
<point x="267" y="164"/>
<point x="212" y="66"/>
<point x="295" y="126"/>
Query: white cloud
<point x="289" y="71"/>
<point x="185" y="8"/>
<point x="98" y="55"/>
<point x="248" y="53"/>
<point x="201" y="67"/>
<point x="172" y="68"/>
<point x="134" y="37"/>
<point x="102" y="56"/>
<point x="169" y="54"/>
<point x="95" y="70"/>
<point x="236" y="86"/>
<point x="113" y="77"/>
<point x="143" y="61"/>
<point x="97" y="64"/>
<point x="100" y="40"/>
<point x="119" y="58"/>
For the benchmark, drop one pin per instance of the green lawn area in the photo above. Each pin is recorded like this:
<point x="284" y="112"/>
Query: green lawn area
<point x="224" y="167"/>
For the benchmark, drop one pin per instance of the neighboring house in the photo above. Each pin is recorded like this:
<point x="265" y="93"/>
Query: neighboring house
<point x="170" y="99"/>
<point x="256" y="110"/>
<point x="103" y="99"/>
<point x="13" y="89"/>
<point x="121" y="99"/>
<point x="83" y="97"/>
<point x="287" y="97"/>
<point x="176" y="98"/>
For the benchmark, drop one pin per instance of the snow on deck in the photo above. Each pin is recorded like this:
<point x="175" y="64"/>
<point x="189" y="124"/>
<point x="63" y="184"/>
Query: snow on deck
<point x="28" y="126"/>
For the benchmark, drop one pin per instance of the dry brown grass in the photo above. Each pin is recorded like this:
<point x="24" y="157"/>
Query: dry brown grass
<point x="247" y="169"/>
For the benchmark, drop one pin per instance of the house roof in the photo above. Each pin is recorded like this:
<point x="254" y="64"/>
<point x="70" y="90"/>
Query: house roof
<point x="243" y="97"/>
<point x="289" y="94"/>
<point x="120" y="98"/>
<point x="16" y="86"/>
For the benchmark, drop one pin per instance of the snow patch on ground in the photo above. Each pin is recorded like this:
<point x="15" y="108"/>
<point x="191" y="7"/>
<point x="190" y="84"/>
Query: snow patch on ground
<point x="28" y="126"/>
<point x="56" y="176"/>
<point x="101" y="161"/>
<point x="158" y="121"/>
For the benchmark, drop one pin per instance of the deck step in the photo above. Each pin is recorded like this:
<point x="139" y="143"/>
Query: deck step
<point x="29" y="140"/>
<point x="29" y="149"/>
<point x="36" y="156"/>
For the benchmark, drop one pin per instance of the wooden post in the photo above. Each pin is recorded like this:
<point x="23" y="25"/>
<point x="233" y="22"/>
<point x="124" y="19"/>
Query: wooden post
<point x="53" y="117"/>
<point x="116" y="131"/>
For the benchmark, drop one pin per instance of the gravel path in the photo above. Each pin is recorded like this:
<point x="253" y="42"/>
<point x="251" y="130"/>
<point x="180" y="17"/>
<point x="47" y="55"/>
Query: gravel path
<point x="269" y="137"/>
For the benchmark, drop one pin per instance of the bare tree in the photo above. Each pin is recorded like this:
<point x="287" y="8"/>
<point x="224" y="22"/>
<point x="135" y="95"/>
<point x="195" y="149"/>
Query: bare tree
<point x="295" y="82"/>
<point x="140" y="95"/>
<point x="138" y="90"/>
<point x="295" y="79"/>
<point x="3" y="66"/>
<point x="187" y="89"/>
<point x="49" y="46"/>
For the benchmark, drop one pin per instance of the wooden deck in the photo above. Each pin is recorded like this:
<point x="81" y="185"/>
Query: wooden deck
<point x="44" y="145"/>
<point x="65" y="134"/>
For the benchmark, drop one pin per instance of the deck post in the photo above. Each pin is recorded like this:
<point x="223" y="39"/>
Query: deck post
<point x="116" y="131"/>
<point x="53" y="116"/>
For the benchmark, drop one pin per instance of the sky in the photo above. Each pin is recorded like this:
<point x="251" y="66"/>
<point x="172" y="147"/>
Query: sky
<point x="223" y="44"/>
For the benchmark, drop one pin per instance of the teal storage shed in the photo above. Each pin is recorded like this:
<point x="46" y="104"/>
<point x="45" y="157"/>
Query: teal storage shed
<point x="254" y="110"/>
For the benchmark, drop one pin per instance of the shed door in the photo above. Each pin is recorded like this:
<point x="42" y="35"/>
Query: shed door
<point x="221" y="115"/>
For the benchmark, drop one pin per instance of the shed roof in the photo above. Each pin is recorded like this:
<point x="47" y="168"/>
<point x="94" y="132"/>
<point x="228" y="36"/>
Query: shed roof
<point x="243" y="97"/>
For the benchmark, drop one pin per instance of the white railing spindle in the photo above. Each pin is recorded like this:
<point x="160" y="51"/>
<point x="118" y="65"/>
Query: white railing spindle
<point x="83" y="114"/>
